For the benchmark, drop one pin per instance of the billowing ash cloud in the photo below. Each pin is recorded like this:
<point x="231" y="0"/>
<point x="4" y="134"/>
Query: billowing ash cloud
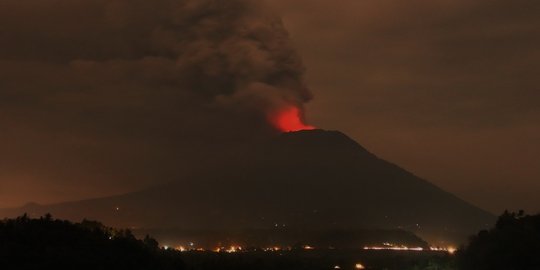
<point x="99" y="89"/>
<point x="213" y="51"/>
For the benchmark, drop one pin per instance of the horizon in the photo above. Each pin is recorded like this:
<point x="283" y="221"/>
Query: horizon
<point x="172" y="89"/>
<point x="270" y="134"/>
<point x="445" y="90"/>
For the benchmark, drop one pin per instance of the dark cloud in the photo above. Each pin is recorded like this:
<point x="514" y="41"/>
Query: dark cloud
<point x="109" y="94"/>
<point x="119" y="94"/>
<point x="448" y="89"/>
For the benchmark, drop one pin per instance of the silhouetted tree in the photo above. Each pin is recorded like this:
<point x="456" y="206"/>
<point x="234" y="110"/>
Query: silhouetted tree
<point x="514" y="243"/>
<point x="151" y="242"/>
<point x="46" y="243"/>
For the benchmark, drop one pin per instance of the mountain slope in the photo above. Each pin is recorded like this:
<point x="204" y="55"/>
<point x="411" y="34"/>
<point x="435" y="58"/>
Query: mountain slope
<point x="315" y="179"/>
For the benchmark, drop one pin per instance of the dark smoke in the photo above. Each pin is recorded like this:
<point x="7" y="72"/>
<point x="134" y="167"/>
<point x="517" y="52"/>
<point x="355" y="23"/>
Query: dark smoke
<point x="109" y="92"/>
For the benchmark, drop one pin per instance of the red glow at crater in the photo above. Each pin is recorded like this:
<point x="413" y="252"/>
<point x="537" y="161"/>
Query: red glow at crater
<point x="289" y="120"/>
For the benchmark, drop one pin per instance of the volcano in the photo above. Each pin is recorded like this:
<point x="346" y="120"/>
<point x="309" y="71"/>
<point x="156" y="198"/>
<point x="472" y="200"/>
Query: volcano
<point x="311" y="179"/>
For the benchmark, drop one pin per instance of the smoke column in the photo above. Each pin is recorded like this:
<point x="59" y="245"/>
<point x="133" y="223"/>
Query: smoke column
<point x="123" y="92"/>
<point x="213" y="53"/>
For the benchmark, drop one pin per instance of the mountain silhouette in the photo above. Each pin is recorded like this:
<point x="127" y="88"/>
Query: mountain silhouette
<point x="316" y="179"/>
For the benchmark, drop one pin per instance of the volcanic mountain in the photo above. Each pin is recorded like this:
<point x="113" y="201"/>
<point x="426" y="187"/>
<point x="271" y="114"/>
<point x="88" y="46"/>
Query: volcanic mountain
<point x="313" y="179"/>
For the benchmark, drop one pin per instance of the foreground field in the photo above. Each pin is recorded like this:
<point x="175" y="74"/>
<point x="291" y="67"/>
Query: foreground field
<point x="320" y="259"/>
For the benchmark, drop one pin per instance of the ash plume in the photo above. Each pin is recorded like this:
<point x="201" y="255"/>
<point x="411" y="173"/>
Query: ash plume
<point x="209" y="50"/>
<point x="96" y="90"/>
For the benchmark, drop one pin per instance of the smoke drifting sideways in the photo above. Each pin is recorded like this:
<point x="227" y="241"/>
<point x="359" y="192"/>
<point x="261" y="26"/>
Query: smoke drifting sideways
<point x="110" y="87"/>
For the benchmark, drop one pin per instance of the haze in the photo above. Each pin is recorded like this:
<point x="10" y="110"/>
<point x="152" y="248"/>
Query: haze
<point x="446" y="89"/>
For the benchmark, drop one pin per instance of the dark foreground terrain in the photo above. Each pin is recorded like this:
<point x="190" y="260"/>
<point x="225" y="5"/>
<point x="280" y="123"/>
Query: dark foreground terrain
<point x="319" y="260"/>
<point x="47" y="243"/>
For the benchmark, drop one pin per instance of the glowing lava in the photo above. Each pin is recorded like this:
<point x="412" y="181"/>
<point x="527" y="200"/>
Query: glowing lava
<point x="289" y="120"/>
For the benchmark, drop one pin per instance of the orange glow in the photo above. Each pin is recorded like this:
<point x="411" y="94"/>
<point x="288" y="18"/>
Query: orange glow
<point x="390" y="246"/>
<point x="289" y="120"/>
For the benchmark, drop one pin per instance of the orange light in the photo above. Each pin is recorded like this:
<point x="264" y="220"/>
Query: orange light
<point x="289" y="120"/>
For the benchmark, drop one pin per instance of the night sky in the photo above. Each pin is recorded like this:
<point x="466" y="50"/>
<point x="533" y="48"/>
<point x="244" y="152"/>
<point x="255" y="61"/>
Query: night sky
<point x="447" y="89"/>
<point x="105" y="97"/>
